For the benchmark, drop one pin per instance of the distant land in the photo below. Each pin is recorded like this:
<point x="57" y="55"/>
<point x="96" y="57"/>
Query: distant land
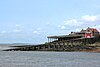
<point x="5" y="46"/>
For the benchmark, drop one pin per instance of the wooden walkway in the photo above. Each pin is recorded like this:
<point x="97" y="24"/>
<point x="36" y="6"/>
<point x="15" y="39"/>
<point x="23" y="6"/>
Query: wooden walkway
<point x="66" y="45"/>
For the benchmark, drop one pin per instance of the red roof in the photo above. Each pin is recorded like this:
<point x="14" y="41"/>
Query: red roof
<point x="94" y="29"/>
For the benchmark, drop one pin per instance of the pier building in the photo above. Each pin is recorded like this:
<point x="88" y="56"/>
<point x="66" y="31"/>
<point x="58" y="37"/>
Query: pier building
<point x="88" y="36"/>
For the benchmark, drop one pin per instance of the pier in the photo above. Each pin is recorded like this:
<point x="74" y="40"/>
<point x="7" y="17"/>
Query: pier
<point x="75" y="41"/>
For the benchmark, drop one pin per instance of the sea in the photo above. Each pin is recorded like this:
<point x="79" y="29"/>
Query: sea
<point x="48" y="59"/>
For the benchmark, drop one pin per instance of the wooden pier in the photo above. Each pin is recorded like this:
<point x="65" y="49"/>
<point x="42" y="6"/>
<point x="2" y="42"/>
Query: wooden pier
<point x="73" y="42"/>
<point x="66" y="45"/>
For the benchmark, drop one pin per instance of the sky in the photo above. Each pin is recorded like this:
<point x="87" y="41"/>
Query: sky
<point x="31" y="21"/>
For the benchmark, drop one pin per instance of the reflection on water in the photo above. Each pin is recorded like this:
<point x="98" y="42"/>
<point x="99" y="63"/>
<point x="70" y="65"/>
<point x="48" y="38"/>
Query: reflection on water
<point x="48" y="59"/>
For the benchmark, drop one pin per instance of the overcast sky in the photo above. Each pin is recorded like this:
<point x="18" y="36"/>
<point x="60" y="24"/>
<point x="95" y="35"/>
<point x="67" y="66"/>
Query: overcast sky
<point x="31" y="21"/>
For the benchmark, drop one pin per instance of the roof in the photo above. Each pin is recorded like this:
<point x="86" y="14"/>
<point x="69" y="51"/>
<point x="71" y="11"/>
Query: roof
<point x="94" y="29"/>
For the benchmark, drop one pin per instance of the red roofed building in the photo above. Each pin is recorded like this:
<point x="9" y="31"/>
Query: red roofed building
<point x="88" y="33"/>
<point x="94" y="32"/>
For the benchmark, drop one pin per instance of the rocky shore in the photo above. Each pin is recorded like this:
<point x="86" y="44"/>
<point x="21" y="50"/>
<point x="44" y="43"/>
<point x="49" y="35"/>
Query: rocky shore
<point x="97" y="49"/>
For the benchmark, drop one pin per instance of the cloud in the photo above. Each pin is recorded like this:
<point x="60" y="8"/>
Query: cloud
<point x="70" y="23"/>
<point x="37" y="31"/>
<point x="77" y="30"/>
<point x="83" y="22"/>
<point x="73" y="22"/>
<point x="3" y="31"/>
<point x="98" y="26"/>
<point x="17" y="25"/>
<point x="63" y="27"/>
<point x="89" y="18"/>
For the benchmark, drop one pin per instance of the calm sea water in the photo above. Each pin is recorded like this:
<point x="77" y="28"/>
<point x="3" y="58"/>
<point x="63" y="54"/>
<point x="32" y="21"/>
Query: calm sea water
<point x="48" y="59"/>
